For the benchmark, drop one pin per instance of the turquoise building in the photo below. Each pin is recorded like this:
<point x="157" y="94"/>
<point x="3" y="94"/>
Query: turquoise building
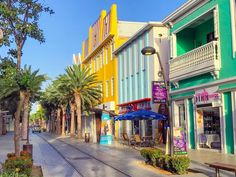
<point x="203" y="73"/>
<point x="136" y="73"/>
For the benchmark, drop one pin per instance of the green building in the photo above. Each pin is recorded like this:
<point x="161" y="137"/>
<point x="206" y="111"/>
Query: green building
<point x="203" y="73"/>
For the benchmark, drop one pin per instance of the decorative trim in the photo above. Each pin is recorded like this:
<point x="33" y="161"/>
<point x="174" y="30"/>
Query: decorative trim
<point x="214" y="83"/>
<point x="233" y="98"/>
<point x="176" y="84"/>
<point x="194" y="19"/>
<point x="233" y="18"/>
<point x="184" y="10"/>
<point x="215" y="74"/>
<point x="222" y="125"/>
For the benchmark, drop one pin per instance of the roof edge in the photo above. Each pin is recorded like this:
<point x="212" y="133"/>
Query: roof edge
<point x="139" y="32"/>
<point x="181" y="10"/>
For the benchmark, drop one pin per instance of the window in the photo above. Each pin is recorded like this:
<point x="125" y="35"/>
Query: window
<point x="107" y="88"/>
<point x="111" y="51"/>
<point x="102" y="58"/>
<point x="112" y="86"/>
<point x="106" y="55"/>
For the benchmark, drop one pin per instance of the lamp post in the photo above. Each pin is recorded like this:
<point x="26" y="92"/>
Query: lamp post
<point x="151" y="51"/>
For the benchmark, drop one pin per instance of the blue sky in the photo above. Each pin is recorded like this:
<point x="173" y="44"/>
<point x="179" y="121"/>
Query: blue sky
<point x="68" y="27"/>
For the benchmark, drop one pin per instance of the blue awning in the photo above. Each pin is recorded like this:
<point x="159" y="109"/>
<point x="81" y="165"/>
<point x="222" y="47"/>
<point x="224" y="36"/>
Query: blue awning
<point x="141" y="115"/>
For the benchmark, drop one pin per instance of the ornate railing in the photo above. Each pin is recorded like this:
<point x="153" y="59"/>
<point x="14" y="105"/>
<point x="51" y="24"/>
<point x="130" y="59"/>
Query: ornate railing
<point x="204" y="59"/>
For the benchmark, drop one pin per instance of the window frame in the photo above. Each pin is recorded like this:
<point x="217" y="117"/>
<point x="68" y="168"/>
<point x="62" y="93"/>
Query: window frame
<point x="112" y="86"/>
<point x="233" y="25"/>
<point x="107" y="88"/>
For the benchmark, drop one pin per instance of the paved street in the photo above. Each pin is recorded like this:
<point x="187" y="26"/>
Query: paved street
<point x="67" y="157"/>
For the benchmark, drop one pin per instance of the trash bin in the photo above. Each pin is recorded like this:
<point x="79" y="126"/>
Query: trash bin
<point x="87" y="137"/>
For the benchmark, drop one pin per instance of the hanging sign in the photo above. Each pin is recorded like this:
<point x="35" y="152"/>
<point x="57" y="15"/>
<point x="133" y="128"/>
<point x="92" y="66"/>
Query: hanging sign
<point x="106" y="130"/>
<point x="159" y="92"/>
<point x="179" y="141"/>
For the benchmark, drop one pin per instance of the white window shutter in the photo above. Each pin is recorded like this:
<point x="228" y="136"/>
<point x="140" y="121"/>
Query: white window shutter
<point x="171" y="47"/>
<point x="216" y="23"/>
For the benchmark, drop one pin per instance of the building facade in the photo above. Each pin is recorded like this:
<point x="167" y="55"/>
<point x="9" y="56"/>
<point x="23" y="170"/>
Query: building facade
<point x="202" y="73"/>
<point x="136" y="73"/>
<point x="106" y="34"/>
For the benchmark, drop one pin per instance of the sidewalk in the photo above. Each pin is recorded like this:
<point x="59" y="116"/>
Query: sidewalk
<point x="53" y="165"/>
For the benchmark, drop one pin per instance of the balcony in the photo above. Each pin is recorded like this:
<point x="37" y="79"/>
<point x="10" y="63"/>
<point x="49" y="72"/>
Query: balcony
<point x="202" y="60"/>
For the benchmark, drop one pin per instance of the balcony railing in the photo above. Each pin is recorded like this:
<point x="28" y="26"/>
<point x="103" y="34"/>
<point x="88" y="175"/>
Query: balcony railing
<point x="204" y="59"/>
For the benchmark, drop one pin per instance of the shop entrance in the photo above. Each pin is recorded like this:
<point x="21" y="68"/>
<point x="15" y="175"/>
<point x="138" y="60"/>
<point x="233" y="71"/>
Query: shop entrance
<point x="209" y="128"/>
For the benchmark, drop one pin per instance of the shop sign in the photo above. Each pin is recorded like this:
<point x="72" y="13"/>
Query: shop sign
<point x="106" y="130"/>
<point x="159" y="92"/>
<point x="135" y="107"/>
<point x="179" y="141"/>
<point x="208" y="95"/>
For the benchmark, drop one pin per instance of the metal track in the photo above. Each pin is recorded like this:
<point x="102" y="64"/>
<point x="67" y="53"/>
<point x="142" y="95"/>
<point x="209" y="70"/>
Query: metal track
<point x="72" y="165"/>
<point x="78" y="149"/>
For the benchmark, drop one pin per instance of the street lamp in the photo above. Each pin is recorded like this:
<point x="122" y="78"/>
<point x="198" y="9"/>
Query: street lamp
<point x="151" y="51"/>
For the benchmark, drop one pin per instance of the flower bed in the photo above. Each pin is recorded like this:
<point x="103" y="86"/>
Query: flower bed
<point x="17" y="166"/>
<point x="157" y="158"/>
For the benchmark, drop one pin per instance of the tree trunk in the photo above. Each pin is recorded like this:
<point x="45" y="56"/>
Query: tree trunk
<point x="63" y="120"/>
<point x="17" y="123"/>
<point x="78" y="109"/>
<point x="58" y="121"/>
<point x="18" y="58"/>
<point x="1" y="123"/>
<point x="72" y="122"/>
<point x="24" y="130"/>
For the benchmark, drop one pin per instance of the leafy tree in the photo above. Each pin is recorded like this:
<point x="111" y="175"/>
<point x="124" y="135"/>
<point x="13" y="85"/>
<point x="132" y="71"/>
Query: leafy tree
<point x="19" y="20"/>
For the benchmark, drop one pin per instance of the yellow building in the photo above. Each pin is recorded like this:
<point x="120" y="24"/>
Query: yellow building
<point x="105" y="35"/>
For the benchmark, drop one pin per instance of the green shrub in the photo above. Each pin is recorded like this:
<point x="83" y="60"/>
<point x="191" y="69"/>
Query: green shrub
<point x="156" y="157"/>
<point x="151" y="155"/>
<point x="12" y="174"/>
<point x="21" y="165"/>
<point x="146" y="154"/>
<point x="167" y="162"/>
<point x="180" y="164"/>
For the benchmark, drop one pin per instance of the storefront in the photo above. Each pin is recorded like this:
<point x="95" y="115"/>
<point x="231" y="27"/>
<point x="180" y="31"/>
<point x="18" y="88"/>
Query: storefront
<point x="141" y="127"/>
<point x="208" y="104"/>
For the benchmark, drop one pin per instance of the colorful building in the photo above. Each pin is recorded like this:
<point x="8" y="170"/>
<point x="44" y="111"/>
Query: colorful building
<point x="106" y="34"/>
<point x="203" y="74"/>
<point x="136" y="74"/>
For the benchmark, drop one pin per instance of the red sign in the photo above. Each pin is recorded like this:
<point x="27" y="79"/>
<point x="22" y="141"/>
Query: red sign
<point x="135" y="105"/>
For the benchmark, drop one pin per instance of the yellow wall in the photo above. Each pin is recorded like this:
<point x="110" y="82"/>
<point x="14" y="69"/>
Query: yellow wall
<point x="106" y="71"/>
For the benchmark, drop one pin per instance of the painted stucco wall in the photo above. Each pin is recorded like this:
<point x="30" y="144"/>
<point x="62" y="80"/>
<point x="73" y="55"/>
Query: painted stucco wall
<point x="228" y="63"/>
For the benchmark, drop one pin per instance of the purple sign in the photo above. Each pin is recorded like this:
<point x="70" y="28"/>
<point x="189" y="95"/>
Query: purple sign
<point x="179" y="141"/>
<point x="159" y="92"/>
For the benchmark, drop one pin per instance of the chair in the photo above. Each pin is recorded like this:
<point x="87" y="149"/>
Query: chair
<point x="203" y="141"/>
<point x="139" y="141"/>
<point x="126" y="138"/>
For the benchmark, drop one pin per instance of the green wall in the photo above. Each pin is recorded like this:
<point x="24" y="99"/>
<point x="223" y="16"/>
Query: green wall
<point x="228" y="63"/>
<point x="228" y="123"/>
<point x="191" y="124"/>
<point x="201" y="32"/>
<point x="191" y="38"/>
<point x="185" y="41"/>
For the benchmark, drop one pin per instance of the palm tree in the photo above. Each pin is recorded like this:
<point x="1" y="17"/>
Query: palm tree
<point x="23" y="84"/>
<point x="32" y="82"/>
<point x="85" y="88"/>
